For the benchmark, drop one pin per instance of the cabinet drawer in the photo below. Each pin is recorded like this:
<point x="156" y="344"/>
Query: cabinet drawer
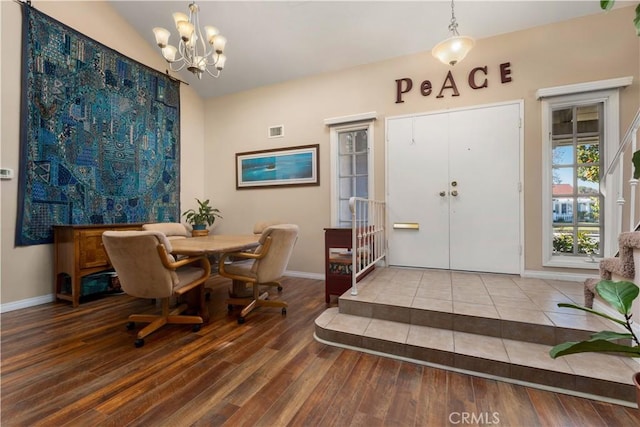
<point x="92" y="253"/>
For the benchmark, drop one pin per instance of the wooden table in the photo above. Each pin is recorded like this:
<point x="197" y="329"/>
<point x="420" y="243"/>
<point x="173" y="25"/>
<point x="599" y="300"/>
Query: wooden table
<point x="212" y="245"/>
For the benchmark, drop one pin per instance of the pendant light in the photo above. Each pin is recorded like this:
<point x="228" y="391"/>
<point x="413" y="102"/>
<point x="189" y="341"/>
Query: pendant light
<point x="455" y="48"/>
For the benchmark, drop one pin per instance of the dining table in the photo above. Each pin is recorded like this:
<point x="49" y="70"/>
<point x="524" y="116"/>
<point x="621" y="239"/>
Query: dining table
<point x="213" y="244"/>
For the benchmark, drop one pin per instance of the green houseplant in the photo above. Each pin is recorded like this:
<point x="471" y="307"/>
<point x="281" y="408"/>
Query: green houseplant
<point x="619" y="295"/>
<point x="205" y="215"/>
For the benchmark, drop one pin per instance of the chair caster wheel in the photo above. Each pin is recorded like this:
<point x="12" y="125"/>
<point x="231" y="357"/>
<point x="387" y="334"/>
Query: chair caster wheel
<point x="196" y="327"/>
<point x="284" y="311"/>
<point x="240" y="320"/>
<point x="139" y="343"/>
<point x="279" y="288"/>
<point x="229" y="308"/>
<point x="131" y="325"/>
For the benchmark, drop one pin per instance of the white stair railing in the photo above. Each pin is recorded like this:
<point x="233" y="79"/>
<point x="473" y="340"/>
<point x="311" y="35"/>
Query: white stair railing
<point x="369" y="238"/>
<point x="617" y="168"/>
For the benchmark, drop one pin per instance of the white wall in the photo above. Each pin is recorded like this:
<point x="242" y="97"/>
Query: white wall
<point x="597" y="47"/>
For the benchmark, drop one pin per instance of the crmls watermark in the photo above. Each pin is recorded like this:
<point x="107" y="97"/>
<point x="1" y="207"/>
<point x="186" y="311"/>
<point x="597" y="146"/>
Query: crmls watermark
<point x="485" y="418"/>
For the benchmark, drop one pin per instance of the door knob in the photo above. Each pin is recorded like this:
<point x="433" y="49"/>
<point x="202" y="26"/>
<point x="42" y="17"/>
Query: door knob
<point x="443" y="193"/>
<point x="454" y="193"/>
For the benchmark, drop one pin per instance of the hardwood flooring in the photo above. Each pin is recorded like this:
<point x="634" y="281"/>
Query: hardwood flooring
<point x="78" y="367"/>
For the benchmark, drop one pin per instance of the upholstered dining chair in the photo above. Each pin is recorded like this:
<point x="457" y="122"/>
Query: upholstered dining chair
<point x="173" y="230"/>
<point x="269" y="262"/>
<point x="146" y="269"/>
<point x="239" y="288"/>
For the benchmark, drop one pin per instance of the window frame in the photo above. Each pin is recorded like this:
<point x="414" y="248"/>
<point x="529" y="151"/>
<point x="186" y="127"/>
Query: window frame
<point x="611" y="122"/>
<point x="334" y="139"/>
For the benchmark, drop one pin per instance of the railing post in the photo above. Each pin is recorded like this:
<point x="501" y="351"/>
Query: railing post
<point x="354" y="246"/>
<point x="633" y="182"/>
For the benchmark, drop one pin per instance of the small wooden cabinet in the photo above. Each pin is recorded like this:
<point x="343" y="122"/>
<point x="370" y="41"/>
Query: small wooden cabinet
<point x="78" y="252"/>
<point x="337" y="261"/>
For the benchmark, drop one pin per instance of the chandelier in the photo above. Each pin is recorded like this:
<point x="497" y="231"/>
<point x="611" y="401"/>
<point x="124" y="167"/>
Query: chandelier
<point x="455" y="48"/>
<point x="197" y="53"/>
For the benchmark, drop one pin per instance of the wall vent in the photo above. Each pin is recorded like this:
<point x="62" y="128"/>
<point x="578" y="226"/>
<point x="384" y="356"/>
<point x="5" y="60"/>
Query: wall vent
<point x="276" y="131"/>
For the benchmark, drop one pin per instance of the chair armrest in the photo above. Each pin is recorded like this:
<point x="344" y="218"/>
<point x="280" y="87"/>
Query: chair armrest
<point x="173" y="265"/>
<point x="248" y="255"/>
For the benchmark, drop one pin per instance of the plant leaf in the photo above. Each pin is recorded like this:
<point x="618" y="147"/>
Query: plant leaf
<point x="636" y="156"/>
<point x="610" y="335"/>
<point x="589" y="310"/>
<point x="636" y="23"/>
<point x="606" y="4"/>
<point x="619" y="294"/>
<point x="593" y="346"/>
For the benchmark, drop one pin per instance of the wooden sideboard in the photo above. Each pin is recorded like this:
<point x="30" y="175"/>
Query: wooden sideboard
<point x="78" y="252"/>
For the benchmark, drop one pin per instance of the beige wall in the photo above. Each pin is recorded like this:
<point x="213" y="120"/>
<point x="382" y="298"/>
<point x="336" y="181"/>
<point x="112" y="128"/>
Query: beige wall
<point x="602" y="46"/>
<point x="27" y="272"/>
<point x="599" y="47"/>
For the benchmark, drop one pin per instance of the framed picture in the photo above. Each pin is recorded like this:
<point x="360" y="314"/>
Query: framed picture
<point x="278" y="167"/>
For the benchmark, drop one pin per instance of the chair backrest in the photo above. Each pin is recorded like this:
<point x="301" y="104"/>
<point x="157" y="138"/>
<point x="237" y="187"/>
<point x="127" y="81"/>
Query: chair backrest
<point x="134" y="255"/>
<point x="260" y="226"/>
<point x="173" y="230"/>
<point x="273" y="265"/>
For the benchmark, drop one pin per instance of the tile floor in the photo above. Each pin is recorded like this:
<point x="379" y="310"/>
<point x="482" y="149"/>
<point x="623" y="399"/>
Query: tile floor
<point x="498" y="324"/>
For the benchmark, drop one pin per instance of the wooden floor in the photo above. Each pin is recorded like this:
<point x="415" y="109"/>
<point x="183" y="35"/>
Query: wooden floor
<point x="79" y="367"/>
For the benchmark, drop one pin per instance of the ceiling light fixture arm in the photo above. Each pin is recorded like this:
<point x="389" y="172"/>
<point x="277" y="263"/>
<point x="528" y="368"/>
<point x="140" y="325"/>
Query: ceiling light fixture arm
<point x="195" y="51"/>
<point x="453" y="25"/>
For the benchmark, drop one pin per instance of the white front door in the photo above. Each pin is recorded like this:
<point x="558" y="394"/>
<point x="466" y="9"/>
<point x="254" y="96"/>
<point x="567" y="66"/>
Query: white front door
<point x="454" y="190"/>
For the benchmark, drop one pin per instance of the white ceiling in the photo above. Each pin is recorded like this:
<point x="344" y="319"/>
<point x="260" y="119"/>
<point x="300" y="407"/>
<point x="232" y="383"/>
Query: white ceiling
<point x="275" y="41"/>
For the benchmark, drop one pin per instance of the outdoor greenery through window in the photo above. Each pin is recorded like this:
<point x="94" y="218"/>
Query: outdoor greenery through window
<point x="353" y="170"/>
<point x="576" y="166"/>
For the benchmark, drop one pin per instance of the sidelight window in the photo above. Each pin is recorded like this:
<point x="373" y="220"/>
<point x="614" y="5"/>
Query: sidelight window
<point x="576" y="141"/>
<point x="351" y="167"/>
<point x="580" y="125"/>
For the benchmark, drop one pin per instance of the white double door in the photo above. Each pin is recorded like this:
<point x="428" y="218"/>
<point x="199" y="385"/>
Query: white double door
<point x="454" y="189"/>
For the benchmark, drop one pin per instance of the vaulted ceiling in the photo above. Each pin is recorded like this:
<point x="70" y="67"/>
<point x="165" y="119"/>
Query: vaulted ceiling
<point x="275" y="41"/>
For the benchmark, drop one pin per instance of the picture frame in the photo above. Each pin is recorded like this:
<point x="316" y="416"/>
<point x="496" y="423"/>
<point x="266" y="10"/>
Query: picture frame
<point x="278" y="167"/>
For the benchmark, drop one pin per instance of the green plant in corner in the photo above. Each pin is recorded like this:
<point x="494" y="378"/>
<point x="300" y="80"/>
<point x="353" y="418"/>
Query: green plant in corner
<point x="205" y="215"/>
<point x="620" y="295"/>
<point x="608" y="4"/>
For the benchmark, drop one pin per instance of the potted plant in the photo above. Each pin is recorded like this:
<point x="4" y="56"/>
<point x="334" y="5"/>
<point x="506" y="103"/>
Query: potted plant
<point x="205" y="215"/>
<point x="620" y="295"/>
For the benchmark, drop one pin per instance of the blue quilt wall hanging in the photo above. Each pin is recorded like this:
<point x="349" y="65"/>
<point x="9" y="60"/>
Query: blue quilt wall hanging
<point x="100" y="136"/>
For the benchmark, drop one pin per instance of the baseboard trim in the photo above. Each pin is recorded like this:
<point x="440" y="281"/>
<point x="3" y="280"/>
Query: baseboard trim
<point x="550" y="275"/>
<point x="558" y="275"/>
<point x="44" y="299"/>
<point x="26" y="303"/>
<point x="305" y="275"/>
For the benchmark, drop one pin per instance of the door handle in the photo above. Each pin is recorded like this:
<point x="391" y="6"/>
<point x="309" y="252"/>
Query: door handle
<point x="454" y="193"/>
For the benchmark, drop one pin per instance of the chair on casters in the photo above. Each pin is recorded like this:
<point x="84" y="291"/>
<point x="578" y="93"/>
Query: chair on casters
<point x="269" y="262"/>
<point x="146" y="269"/>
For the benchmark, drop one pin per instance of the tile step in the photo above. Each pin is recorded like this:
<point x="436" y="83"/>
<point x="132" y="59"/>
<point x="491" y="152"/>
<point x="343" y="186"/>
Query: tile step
<point x="596" y="376"/>
<point x="545" y="328"/>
